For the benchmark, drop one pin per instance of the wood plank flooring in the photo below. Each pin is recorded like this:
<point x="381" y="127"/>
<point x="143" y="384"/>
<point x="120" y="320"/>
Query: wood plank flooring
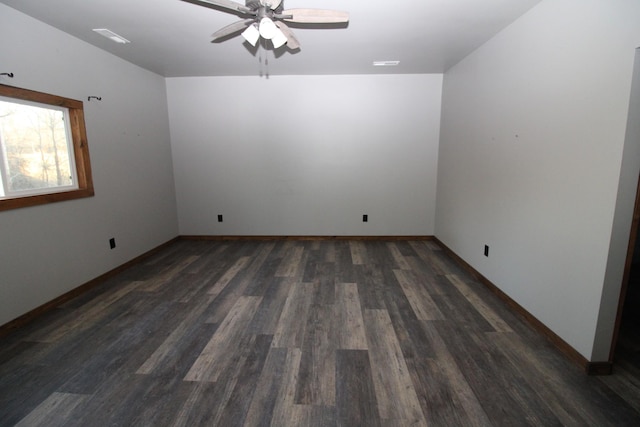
<point x="297" y="333"/>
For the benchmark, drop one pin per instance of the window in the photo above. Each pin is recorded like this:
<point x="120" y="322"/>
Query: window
<point x="44" y="157"/>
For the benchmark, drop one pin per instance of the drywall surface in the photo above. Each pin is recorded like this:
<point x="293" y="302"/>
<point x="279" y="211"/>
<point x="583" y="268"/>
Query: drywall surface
<point x="48" y="250"/>
<point x="533" y="128"/>
<point x="305" y="155"/>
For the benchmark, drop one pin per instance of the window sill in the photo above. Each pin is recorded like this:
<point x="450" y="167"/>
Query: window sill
<point x="42" y="199"/>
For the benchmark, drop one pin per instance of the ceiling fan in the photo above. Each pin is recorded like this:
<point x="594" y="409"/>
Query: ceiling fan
<point x="266" y="19"/>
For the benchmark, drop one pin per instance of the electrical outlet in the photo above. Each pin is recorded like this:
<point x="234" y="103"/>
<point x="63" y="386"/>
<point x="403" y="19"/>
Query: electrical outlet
<point x="486" y="250"/>
<point x="112" y="243"/>
<point x="219" y="218"/>
<point x="365" y="218"/>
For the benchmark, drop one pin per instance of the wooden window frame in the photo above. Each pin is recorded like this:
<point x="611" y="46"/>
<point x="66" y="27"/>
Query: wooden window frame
<point x="79" y="143"/>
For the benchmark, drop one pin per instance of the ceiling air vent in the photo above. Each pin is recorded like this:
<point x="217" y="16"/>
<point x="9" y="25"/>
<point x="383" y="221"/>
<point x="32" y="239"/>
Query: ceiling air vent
<point x="111" y="35"/>
<point x="385" y="63"/>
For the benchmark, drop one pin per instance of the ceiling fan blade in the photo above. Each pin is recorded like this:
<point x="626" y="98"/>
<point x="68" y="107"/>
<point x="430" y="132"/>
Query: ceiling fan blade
<point x="292" y="41"/>
<point x="230" y="29"/>
<point x="314" y="16"/>
<point x="225" y="4"/>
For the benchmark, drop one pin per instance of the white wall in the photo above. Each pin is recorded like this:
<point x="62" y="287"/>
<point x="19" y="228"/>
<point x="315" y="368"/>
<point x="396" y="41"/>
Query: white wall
<point x="533" y="130"/>
<point x="305" y="155"/>
<point x="48" y="250"/>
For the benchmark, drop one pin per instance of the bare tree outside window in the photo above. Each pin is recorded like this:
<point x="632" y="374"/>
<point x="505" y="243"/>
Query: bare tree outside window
<point x="36" y="147"/>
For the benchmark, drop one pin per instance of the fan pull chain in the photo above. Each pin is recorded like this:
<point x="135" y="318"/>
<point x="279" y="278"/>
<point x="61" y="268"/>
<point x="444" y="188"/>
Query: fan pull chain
<point x="266" y="63"/>
<point x="266" y="60"/>
<point x="263" y="71"/>
<point x="260" y="58"/>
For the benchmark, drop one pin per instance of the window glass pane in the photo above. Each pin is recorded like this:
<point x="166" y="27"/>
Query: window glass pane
<point x="35" y="147"/>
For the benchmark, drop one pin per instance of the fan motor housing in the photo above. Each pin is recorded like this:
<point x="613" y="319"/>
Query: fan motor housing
<point x="262" y="10"/>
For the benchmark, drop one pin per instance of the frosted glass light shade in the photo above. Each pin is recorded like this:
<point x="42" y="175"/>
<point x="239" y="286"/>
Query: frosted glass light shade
<point x="251" y="34"/>
<point x="278" y="39"/>
<point x="267" y="28"/>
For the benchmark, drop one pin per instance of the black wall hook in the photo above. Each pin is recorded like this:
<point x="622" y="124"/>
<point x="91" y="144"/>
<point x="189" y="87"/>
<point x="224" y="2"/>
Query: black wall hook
<point x="99" y="98"/>
<point x="7" y="74"/>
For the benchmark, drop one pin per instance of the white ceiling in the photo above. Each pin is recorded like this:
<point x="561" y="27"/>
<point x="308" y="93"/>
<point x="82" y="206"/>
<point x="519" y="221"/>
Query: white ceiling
<point x="172" y="37"/>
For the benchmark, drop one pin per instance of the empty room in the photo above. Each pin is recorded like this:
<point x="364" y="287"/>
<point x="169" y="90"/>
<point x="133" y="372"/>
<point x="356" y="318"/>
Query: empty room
<point x="319" y="213"/>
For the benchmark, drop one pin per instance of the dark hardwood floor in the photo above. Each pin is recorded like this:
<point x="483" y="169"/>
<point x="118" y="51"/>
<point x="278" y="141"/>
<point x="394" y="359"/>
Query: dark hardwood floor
<point x="626" y="382"/>
<point x="295" y="333"/>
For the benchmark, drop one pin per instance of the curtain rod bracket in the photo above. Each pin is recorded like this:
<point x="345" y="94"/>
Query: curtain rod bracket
<point x="7" y="74"/>
<point x="99" y="98"/>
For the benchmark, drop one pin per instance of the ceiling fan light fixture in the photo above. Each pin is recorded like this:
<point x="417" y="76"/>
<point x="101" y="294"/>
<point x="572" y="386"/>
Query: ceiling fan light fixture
<point x="251" y="34"/>
<point x="260" y="15"/>
<point x="268" y="29"/>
